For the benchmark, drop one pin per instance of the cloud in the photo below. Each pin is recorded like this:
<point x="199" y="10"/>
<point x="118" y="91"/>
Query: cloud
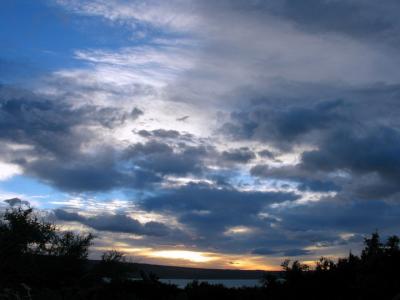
<point x="8" y="170"/>
<point x="52" y="125"/>
<point x="357" y="216"/>
<point x="287" y="253"/>
<point x="372" y="151"/>
<point x="293" y="129"/>
<point x="111" y="117"/>
<point x="241" y="155"/>
<point x="61" y="145"/>
<point x="200" y="197"/>
<point x="165" y="134"/>
<point x="360" y="19"/>
<point x="284" y="126"/>
<point x="266" y="153"/>
<point x="115" y="223"/>
<point x="139" y="13"/>
<point x="377" y="22"/>
<point x="296" y="252"/>
<point x="159" y="157"/>
<point x="16" y="202"/>
<point x="53" y="142"/>
<point x="209" y="212"/>
<point x="338" y="145"/>
<point x="306" y="181"/>
<point x="364" y="156"/>
<point x="90" y="173"/>
<point x="264" y="251"/>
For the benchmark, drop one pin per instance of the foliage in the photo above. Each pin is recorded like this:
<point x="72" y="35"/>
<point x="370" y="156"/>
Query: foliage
<point x="33" y="251"/>
<point x="112" y="266"/>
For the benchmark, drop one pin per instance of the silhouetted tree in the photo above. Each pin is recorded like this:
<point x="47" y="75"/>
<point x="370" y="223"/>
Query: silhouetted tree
<point x="392" y="244"/>
<point x="373" y="247"/>
<point x="113" y="266"/>
<point x="33" y="251"/>
<point x="373" y="275"/>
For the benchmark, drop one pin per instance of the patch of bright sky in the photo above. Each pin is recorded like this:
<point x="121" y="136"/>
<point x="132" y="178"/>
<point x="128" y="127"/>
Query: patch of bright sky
<point x="183" y="254"/>
<point x="99" y="202"/>
<point x="239" y="230"/>
<point x="246" y="182"/>
<point x="43" y="196"/>
<point x="38" y="194"/>
<point x="191" y="258"/>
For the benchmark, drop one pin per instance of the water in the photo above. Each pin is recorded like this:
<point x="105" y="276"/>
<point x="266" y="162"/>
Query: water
<point x="229" y="283"/>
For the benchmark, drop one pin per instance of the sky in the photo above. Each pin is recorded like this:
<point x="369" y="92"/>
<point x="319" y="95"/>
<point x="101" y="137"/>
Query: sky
<point x="225" y="134"/>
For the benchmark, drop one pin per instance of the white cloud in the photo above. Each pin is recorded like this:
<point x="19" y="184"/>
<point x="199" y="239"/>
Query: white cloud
<point x="234" y="50"/>
<point x="177" y="14"/>
<point x="8" y="170"/>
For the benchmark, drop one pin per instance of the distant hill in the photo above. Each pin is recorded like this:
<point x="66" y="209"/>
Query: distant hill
<point x="172" y="272"/>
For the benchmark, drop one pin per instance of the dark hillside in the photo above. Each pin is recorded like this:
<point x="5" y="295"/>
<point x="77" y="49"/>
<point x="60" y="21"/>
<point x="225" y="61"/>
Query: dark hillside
<point x="173" y="272"/>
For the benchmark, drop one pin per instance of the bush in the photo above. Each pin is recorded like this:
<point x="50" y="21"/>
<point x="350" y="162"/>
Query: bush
<point x="35" y="252"/>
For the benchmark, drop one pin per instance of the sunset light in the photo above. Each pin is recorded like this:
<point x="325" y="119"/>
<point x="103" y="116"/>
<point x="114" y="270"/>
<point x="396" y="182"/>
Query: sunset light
<point x="192" y="256"/>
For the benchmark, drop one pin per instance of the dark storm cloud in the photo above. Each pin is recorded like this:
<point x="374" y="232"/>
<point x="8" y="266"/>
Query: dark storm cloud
<point x="53" y="131"/>
<point x="266" y="153"/>
<point x="240" y="155"/>
<point x="50" y="125"/>
<point x="303" y="113"/>
<point x="160" y="157"/>
<point x="283" y="126"/>
<point x="322" y="224"/>
<point x="93" y="174"/>
<point x="165" y="134"/>
<point x="42" y="124"/>
<point x="265" y="251"/>
<point x="115" y="223"/>
<point x="285" y="230"/>
<point x="358" y="216"/>
<point x="68" y="216"/>
<point x="111" y="117"/>
<point x="368" y="155"/>
<point x="354" y="141"/>
<point x="317" y="185"/>
<point x="357" y="135"/>
<point x="296" y="252"/>
<point x="373" y="186"/>
<point x="307" y="181"/>
<point x="16" y="202"/>
<point x="206" y="208"/>
<point x="288" y="252"/>
<point x="190" y="197"/>
<point x="376" y="150"/>
<point x="209" y="213"/>
<point x="358" y="19"/>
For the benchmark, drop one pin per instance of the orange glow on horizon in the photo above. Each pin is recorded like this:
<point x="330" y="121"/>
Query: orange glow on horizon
<point x="193" y="256"/>
<point x="197" y="259"/>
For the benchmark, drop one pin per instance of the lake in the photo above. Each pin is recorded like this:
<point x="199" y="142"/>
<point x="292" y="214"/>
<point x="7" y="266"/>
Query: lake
<point x="229" y="283"/>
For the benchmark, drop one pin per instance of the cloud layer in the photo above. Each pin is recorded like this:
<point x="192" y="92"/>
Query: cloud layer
<point x="266" y="129"/>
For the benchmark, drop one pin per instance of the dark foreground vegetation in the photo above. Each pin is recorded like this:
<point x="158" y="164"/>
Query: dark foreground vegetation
<point x="37" y="261"/>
